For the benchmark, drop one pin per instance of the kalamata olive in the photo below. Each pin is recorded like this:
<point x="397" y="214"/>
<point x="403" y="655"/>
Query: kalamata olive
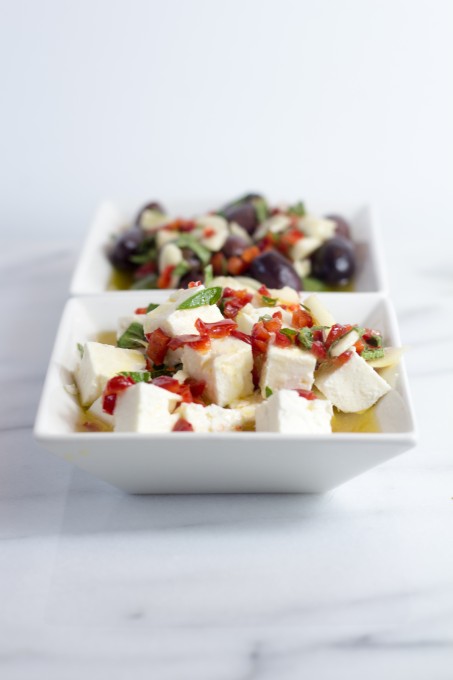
<point x="243" y="214"/>
<point x="128" y="244"/>
<point x="274" y="270"/>
<point x="153" y="205"/>
<point x="234" y="246"/>
<point x="342" y="227"/>
<point x="334" y="261"/>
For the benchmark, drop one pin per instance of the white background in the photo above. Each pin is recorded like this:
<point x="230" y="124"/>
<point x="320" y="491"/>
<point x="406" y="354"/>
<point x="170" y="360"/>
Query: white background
<point x="189" y="99"/>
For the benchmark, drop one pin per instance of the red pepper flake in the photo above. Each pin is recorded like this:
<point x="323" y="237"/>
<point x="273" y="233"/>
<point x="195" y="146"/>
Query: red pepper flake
<point x="115" y="385"/>
<point x="164" y="279"/>
<point x="307" y="394"/>
<point x="182" y="425"/>
<point x="158" y="342"/>
<point x="301" y="319"/>
<point x="218" y="329"/>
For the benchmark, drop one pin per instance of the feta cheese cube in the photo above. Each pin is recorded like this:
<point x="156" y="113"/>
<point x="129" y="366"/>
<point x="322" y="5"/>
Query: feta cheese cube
<point x="145" y="408"/>
<point x="288" y="413"/>
<point x="317" y="227"/>
<point x="304" y="247"/>
<point x="98" y="412"/>
<point x="352" y="387"/>
<point x="99" y="364"/>
<point x="248" y="316"/>
<point x="174" y="321"/>
<point x="211" y="418"/>
<point x="226" y="368"/>
<point x="125" y="321"/>
<point x="287" y="368"/>
<point x="212" y="231"/>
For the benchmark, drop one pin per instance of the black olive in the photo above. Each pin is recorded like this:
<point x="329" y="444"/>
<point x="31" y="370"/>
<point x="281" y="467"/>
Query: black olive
<point x="342" y="227"/>
<point x="334" y="262"/>
<point x="127" y="244"/>
<point x="234" y="246"/>
<point x="274" y="270"/>
<point x="243" y="214"/>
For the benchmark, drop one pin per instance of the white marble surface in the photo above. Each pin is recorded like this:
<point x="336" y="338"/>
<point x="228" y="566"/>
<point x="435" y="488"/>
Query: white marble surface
<point x="354" y="584"/>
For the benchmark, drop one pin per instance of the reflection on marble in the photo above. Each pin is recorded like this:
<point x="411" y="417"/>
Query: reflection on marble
<point x="357" y="583"/>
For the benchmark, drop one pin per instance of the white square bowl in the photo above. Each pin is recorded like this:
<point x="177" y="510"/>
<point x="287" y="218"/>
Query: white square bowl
<point x="232" y="462"/>
<point x="93" y="271"/>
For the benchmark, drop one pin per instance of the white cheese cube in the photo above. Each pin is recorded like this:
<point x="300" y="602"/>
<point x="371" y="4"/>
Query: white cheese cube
<point x="226" y="368"/>
<point x="275" y="225"/>
<point x="211" y="418"/>
<point x="248" y="316"/>
<point x="124" y="322"/>
<point x="145" y="408"/>
<point x="287" y="368"/>
<point x="212" y="232"/>
<point x="98" y="412"/>
<point x="352" y="387"/>
<point x="318" y="227"/>
<point x="174" y="321"/>
<point x="99" y="364"/>
<point x="304" y="247"/>
<point x="288" y="413"/>
<point x="302" y="267"/>
<point x="164" y="236"/>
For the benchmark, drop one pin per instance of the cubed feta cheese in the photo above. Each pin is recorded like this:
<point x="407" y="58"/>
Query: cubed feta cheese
<point x="288" y="413"/>
<point x="304" y="247"/>
<point x="145" y="408"/>
<point x="125" y="321"/>
<point x="99" y="364"/>
<point x="352" y="387"/>
<point x="318" y="227"/>
<point x="287" y="367"/>
<point x="98" y="412"/>
<point x="211" y="418"/>
<point x="226" y="368"/>
<point x="248" y="316"/>
<point x="174" y="321"/>
<point x="212" y="232"/>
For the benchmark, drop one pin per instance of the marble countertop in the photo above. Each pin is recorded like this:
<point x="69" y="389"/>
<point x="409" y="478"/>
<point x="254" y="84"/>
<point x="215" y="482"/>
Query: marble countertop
<point x="357" y="583"/>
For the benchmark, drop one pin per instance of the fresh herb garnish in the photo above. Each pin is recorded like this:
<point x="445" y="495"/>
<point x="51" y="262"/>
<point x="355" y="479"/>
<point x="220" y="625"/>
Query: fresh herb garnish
<point x="270" y="302"/>
<point x="297" y="209"/>
<point x="133" y="337"/>
<point x="261" y="210"/>
<point x="312" y="284"/>
<point x="289" y="332"/>
<point x="208" y="274"/>
<point x="369" y="354"/>
<point x="138" y="376"/>
<point x="146" y="282"/>
<point x="151" y="307"/>
<point x="143" y="258"/>
<point x="80" y="348"/>
<point x="305" y="337"/>
<point x="181" y="268"/>
<point x="269" y="392"/>
<point x="207" y="296"/>
<point x="265" y="317"/>
<point x="189" y="241"/>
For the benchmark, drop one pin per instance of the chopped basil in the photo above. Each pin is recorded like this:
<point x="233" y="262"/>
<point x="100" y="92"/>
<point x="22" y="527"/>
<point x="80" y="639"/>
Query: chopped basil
<point x="289" y="332"/>
<point x="369" y="354"/>
<point x="138" y="376"/>
<point x="151" y="306"/>
<point x="270" y="302"/>
<point x="265" y="317"/>
<point x="143" y="258"/>
<point x="305" y="337"/>
<point x="269" y="392"/>
<point x="312" y="284"/>
<point x="80" y="348"/>
<point x="133" y="337"/>
<point x="261" y="210"/>
<point x="208" y="274"/>
<point x="297" y="209"/>
<point x="207" y="296"/>
<point x="189" y="241"/>
<point x="146" y="282"/>
<point x="181" y="268"/>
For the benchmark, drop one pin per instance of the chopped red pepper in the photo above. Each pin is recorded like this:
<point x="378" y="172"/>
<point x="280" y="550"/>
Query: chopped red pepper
<point x="194" y="284"/>
<point x="218" y="329"/>
<point x="140" y="310"/>
<point x="263" y="290"/>
<point x="234" y="300"/>
<point x="306" y="394"/>
<point x="319" y="350"/>
<point x="180" y="225"/>
<point x="360" y="346"/>
<point x="158" y="342"/>
<point x="208" y="232"/>
<point x="249" y="254"/>
<point x="235" y="265"/>
<point x="342" y="359"/>
<point x="219" y="264"/>
<point x="273" y="325"/>
<point x="336" y="332"/>
<point x="189" y="390"/>
<point x="242" y="336"/>
<point x="182" y="425"/>
<point x="260" y="338"/>
<point x="199" y="342"/>
<point x="282" y="340"/>
<point x="301" y="319"/>
<point x="164" y="279"/>
<point x="288" y="239"/>
<point x="115" y="385"/>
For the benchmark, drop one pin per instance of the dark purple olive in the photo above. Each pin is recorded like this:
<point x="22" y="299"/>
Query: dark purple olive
<point x="154" y="205"/>
<point x="274" y="270"/>
<point x="334" y="261"/>
<point x="234" y="246"/>
<point x="342" y="227"/>
<point x="243" y="214"/>
<point x="127" y="245"/>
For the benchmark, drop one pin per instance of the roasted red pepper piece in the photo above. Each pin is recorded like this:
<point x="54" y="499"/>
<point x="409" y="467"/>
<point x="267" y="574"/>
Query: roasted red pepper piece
<point x="115" y="385"/>
<point x="158" y="342"/>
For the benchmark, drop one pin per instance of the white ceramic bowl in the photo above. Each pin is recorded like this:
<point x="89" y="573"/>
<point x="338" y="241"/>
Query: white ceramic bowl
<point x="93" y="271"/>
<point x="215" y="463"/>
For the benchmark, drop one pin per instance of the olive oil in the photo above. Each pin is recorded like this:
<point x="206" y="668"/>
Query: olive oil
<point x="355" y="422"/>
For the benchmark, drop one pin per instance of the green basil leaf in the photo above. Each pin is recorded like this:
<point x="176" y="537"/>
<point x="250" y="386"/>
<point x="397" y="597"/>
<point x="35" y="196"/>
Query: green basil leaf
<point x="143" y="258"/>
<point x="189" y="241"/>
<point x="270" y="302"/>
<point x="312" y="284"/>
<point x="289" y="332"/>
<point x="133" y="337"/>
<point x="208" y="275"/>
<point x="369" y="354"/>
<point x="265" y="317"/>
<point x="207" y="296"/>
<point x="138" y="376"/>
<point x="261" y="210"/>
<point x="269" y="392"/>
<point x="297" y="209"/>
<point x="305" y="337"/>
<point x="181" y="268"/>
<point x="151" y="306"/>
